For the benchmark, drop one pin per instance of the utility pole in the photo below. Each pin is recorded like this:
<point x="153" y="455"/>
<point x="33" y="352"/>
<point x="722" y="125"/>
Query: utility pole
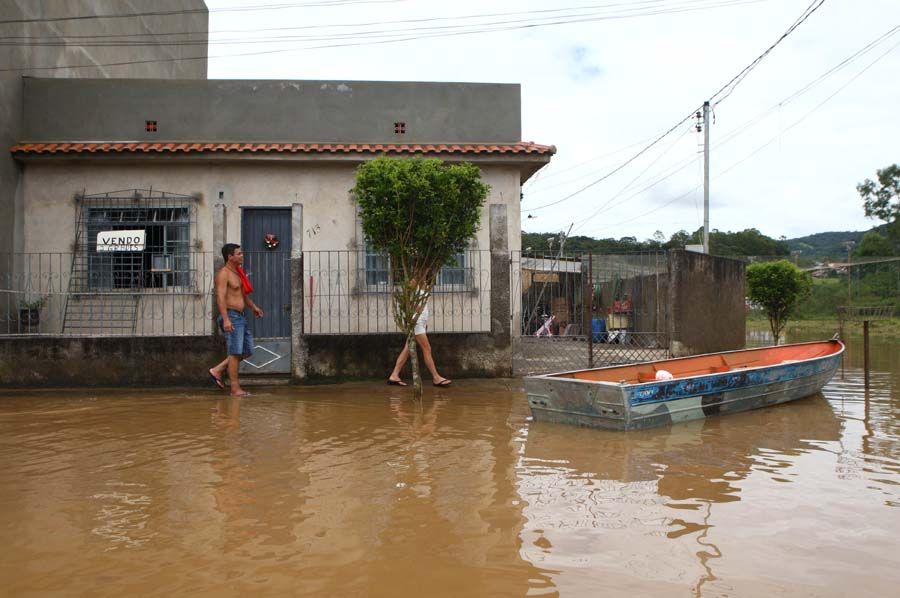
<point x="706" y="177"/>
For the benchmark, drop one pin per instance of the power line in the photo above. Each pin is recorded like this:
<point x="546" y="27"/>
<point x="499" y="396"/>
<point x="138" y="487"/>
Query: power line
<point x="736" y="80"/>
<point x="794" y="124"/>
<point x="726" y="3"/>
<point x="730" y="86"/>
<point x="371" y="23"/>
<point x="807" y="114"/>
<point x="188" y="11"/>
<point x="428" y="31"/>
<point x="609" y="203"/>
<point x="618" y="168"/>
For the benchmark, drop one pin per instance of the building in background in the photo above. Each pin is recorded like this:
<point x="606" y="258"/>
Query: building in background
<point x="45" y="40"/>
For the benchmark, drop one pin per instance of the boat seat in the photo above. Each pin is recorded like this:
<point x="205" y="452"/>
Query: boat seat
<point x="646" y="377"/>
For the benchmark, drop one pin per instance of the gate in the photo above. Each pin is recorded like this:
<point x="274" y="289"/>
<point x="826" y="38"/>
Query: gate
<point x="266" y="242"/>
<point x="581" y="310"/>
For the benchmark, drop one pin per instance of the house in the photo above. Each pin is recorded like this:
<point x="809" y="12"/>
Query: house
<point x="130" y="188"/>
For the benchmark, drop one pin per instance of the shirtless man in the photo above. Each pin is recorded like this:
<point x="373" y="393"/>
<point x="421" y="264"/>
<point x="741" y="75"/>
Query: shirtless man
<point x="232" y="301"/>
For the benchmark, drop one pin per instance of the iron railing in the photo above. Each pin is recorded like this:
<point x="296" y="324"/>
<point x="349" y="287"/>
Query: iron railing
<point x="42" y="293"/>
<point x="577" y="310"/>
<point x="343" y="292"/>
<point x="349" y="292"/>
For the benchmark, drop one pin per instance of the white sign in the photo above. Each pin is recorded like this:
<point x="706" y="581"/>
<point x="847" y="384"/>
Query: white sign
<point x="120" y="240"/>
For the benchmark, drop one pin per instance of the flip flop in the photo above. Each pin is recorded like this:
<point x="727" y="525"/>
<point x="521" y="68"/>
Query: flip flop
<point x="396" y="382"/>
<point x="217" y="381"/>
<point x="444" y="382"/>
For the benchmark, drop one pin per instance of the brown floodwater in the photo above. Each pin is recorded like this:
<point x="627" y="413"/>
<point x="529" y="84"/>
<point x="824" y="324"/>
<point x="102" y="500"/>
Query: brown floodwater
<point x="354" y="490"/>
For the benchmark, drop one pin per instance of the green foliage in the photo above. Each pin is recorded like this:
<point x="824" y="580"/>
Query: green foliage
<point x="873" y="245"/>
<point x="777" y="288"/>
<point x="745" y="242"/>
<point x="882" y="199"/>
<point x="421" y="213"/>
<point x="826" y="295"/>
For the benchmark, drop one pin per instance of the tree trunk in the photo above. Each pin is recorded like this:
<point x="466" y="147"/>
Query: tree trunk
<point x="414" y="363"/>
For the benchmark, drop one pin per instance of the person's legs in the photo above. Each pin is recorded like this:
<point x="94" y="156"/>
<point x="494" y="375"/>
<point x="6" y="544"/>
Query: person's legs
<point x="398" y="367"/>
<point x="436" y="378"/>
<point x="234" y="362"/>
<point x="240" y="345"/>
<point x="218" y="370"/>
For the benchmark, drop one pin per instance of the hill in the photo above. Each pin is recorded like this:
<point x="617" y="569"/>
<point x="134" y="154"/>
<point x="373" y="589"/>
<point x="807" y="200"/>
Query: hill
<point x="829" y="244"/>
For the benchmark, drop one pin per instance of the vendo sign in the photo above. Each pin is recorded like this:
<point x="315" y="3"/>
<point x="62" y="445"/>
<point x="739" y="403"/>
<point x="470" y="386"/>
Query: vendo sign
<point x="120" y="240"/>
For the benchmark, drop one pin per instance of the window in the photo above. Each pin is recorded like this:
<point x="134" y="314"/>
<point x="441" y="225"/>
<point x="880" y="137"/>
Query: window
<point x="377" y="268"/>
<point x="453" y="277"/>
<point x="164" y="262"/>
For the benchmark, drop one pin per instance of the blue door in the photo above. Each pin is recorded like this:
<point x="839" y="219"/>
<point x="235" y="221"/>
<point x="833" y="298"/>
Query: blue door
<point x="266" y="241"/>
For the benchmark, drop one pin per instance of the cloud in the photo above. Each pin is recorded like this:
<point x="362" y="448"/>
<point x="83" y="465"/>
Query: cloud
<point x="580" y="67"/>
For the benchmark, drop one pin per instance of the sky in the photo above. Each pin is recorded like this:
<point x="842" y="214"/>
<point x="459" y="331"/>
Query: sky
<point x="603" y="79"/>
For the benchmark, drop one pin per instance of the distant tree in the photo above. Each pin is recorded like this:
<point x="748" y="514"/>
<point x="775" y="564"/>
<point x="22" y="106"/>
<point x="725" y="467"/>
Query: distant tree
<point x="881" y="199"/>
<point x="777" y="287"/>
<point x="873" y="245"/>
<point x="746" y="242"/>
<point x="680" y="239"/>
<point x="421" y="213"/>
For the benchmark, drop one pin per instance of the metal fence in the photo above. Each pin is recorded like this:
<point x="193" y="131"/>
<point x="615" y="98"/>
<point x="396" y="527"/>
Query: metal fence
<point x="349" y="292"/>
<point x="578" y="310"/>
<point x="58" y="294"/>
<point x="344" y="292"/>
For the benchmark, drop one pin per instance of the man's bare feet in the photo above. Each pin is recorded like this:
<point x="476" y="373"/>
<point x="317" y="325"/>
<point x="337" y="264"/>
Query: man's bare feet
<point x="240" y="393"/>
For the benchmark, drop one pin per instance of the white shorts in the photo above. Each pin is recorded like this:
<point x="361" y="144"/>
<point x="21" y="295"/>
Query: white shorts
<point x="422" y="322"/>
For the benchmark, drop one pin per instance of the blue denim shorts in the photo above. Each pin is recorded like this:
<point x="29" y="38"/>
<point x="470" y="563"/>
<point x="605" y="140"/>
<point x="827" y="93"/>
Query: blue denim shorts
<point x="240" y="340"/>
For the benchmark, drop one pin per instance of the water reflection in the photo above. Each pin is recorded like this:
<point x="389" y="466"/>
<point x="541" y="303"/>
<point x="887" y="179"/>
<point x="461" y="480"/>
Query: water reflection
<point x="355" y="490"/>
<point x="598" y="506"/>
<point x="315" y="491"/>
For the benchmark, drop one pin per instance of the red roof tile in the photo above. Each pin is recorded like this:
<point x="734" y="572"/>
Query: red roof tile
<point x="524" y="147"/>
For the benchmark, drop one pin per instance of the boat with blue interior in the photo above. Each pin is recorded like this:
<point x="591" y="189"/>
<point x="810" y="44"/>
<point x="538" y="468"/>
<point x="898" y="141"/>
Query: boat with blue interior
<point x="643" y="395"/>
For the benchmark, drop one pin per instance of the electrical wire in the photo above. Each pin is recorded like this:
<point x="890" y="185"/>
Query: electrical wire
<point x="370" y="23"/>
<point x="737" y="79"/>
<point x="189" y="11"/>
<point x="727" y="3"/>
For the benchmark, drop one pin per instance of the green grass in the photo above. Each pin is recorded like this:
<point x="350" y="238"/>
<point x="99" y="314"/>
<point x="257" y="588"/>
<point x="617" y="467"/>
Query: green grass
<point x="887" y="328"/>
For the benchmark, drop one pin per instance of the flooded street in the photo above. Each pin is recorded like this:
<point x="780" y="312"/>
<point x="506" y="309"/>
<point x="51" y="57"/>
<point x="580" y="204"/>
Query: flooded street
<point x="354" y="490"/>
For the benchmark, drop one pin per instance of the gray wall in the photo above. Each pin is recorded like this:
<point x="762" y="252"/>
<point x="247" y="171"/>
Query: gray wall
<point x="183" y="361"/>
<point x="289" y="111"/>
<point x="25" y="60"/>
<point x="85" y="362"/>
<point x="706" y="298"/>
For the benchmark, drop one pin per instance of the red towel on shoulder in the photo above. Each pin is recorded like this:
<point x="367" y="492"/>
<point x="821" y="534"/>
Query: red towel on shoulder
<point x="245" y="281"/>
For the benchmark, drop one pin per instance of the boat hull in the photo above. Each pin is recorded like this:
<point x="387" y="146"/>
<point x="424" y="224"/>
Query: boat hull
<point x="635" y="406"/>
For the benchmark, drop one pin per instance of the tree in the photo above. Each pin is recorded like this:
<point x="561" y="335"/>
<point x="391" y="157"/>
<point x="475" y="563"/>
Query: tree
<point x="882" y="199"/>
<point x="777" y="287"/>
<point x="873" y="245"/>
<point x="420" y="213"/>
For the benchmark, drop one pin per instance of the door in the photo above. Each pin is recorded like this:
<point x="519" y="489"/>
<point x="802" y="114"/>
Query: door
<point x="266" y="241"/>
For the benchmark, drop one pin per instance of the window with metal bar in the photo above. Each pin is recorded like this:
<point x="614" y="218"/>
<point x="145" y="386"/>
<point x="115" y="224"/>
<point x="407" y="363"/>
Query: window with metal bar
<point x="165" y="260"/>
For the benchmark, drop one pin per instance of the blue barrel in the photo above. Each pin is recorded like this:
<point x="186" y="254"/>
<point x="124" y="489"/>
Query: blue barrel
<point x="598" y="330"/>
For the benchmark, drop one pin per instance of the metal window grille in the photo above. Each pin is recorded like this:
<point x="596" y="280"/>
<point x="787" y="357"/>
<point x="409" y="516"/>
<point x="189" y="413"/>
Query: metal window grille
<point x="168" y="221"/>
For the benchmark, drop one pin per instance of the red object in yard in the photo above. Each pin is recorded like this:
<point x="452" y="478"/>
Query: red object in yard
<point x="621" y="307"/>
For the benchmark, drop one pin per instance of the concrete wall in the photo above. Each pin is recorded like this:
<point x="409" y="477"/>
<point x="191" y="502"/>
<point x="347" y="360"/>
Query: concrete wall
<point x="23" y="60"/>
<point x="706" y="298"/>
<point x="270" y="111"/>
<point x="330" y="223"/>
<point x="157" y="361"/>
<point x="329" y="213"/>
<point x="48" y="362"/>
